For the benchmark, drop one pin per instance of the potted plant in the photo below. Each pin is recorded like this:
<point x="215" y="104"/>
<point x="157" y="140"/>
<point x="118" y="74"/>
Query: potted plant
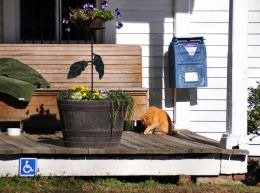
<point x="93" y="118"/>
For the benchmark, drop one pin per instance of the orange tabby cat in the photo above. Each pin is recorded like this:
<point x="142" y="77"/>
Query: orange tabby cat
<point x="156" y="120"/>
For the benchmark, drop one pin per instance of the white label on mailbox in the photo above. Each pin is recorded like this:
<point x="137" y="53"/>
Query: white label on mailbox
<point x="191" y="77"/>
<point x="191" y="48"/>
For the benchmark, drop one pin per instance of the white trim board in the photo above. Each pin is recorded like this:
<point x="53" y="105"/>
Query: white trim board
<point x="206" y="166"/>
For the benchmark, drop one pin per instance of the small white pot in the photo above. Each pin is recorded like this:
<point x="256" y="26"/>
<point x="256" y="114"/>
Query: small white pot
<point x="13" y="131"/>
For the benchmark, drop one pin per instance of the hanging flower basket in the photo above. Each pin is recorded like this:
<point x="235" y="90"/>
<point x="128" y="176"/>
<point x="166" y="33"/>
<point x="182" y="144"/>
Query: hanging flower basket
<point x="96" y="24"/>
<point x="91" y="17"/>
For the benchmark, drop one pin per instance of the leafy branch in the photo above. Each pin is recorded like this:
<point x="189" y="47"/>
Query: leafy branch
<point x="77" y="67"/>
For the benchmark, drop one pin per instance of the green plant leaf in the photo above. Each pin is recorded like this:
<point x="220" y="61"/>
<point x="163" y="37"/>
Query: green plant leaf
<point x="99" y="65"/>
<point x="76" y="69"/>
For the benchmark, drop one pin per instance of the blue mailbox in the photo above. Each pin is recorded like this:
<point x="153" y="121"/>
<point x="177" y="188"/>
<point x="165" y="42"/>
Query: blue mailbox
<point x="188" y="62"/>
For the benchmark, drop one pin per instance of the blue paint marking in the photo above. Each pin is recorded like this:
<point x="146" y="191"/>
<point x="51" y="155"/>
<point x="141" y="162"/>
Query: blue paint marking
<point x="28" y="167"/>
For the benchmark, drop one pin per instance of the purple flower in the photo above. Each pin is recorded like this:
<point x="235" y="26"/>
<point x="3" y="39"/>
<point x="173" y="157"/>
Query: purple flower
<point x="67" y="29"/>
<point x="65" y="21"/>
<point x="104" y="91"/>
<point x="104" y="5"/>
<point x="118" y="14"/>
<point x="88" y="6"/>
<point x="119" y="25"/>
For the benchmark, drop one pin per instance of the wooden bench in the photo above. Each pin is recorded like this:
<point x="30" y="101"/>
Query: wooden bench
<point x="123" y="70"/>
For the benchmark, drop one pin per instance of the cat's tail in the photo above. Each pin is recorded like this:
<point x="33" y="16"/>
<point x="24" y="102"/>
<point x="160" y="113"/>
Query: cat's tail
<point x="172" y="131"/>
<point x="170" y="126"/>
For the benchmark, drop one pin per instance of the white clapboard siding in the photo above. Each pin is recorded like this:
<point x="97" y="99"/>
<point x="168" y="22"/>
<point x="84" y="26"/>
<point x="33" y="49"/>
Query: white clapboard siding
<point x="253" y="62"/>
<point x="212" y="94"/>
<point x="214" y="126"/>
<point x="209" y="28"/>
<point x="254" y="16"/>
<point x="210" y="19"/>
<point x="254" y="39"/>
<point x="254" y="5"/>
<point x="217" y="51"/>
<point x="209" y="5"/>
<point x="205" y="105"/>
<point x="151" y="26"/>
<point x="213" y="16"/>
<point x="208" y="115"/>
<point x="217" y="62"/>
<point x="254" y="43"/>
<point x="214" y="39"/>
<point x="253" y="28"/>
<point x="253" y="51"/>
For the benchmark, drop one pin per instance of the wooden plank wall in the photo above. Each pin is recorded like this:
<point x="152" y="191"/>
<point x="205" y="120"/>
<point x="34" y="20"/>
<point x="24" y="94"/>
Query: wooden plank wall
<point x="122" y="63"/>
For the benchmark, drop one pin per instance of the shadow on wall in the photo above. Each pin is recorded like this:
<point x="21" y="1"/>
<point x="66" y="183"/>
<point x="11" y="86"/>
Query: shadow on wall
<point x="157" y="76"/>
<point x="183" y="94"/>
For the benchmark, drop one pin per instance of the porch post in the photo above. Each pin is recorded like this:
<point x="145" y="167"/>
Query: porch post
<point x="181" y="29"/>
<point x="236" y="135"/>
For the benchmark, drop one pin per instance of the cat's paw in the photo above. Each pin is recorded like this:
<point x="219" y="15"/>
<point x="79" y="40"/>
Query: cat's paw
<point x="146" y="132"/>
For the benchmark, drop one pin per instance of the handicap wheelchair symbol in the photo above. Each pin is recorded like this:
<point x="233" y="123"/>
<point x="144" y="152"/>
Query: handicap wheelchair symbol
<point x="27" y="166"/>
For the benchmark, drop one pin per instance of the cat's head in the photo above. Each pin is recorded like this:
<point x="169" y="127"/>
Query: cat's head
<point x="144" y="120"/>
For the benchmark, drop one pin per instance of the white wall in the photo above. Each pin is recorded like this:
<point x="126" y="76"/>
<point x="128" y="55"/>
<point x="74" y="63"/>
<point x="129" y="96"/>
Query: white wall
<point x="254" y="42"/>
<point x="210" y="19"/>
<point x="254" y="61"/>
<point x="151" y="26"/>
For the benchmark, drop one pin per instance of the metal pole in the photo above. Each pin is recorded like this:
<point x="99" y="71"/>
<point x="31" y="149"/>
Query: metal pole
<point x="92" y="42"/>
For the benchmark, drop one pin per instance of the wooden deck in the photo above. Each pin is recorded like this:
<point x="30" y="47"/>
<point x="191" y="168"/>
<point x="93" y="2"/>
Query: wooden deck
<point x="185" y="142"/>
<point x="184" y="153"/>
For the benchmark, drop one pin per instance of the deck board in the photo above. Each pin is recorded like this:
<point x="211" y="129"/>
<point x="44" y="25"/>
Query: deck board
<point x="183" y="142"/>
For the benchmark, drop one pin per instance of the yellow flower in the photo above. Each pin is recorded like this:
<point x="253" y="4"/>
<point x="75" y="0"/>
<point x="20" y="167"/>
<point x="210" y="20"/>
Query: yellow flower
<point x="96" y="93"/>
<point x="84" y="94"/>
<point x="84" y="88"/>
<point x="74" y="87"/>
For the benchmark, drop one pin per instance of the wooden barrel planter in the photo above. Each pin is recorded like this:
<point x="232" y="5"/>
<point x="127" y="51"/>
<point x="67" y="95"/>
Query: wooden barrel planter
<point x="88" y="124"/>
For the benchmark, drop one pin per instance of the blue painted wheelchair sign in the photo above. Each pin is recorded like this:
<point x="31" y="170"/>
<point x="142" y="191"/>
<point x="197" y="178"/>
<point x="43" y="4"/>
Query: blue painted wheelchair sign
<point x="27" y="166"/>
